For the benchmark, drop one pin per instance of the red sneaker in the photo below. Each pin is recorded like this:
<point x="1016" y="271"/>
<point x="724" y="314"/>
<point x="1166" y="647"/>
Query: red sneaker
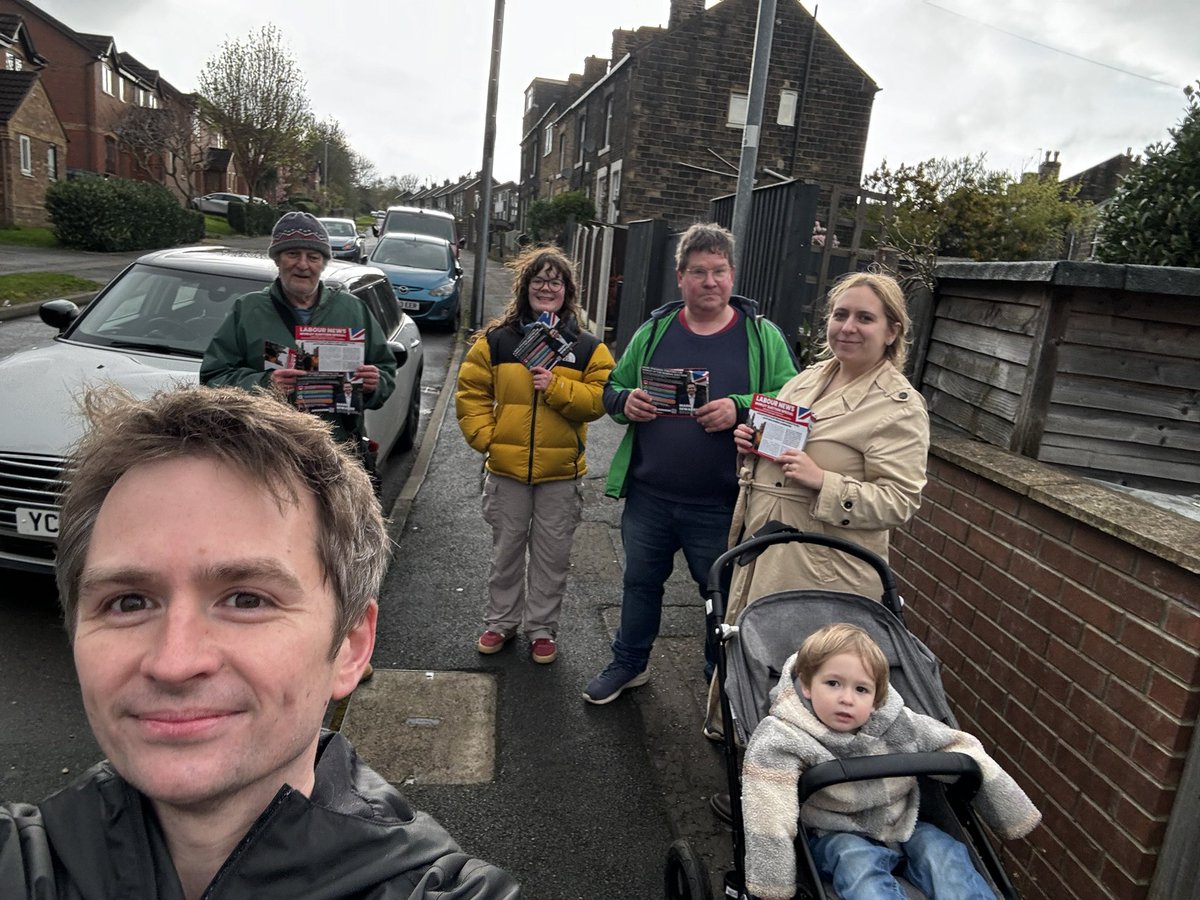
<point x="492" y="641"/>
<point x="545" y="651"/>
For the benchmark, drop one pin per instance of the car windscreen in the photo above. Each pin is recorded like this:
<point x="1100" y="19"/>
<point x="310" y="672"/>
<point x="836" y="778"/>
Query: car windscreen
<point x="419" y="223"/>
<point x="152" y="308"/>
<point x="414" y="254"/>
<point x="340" y="229"/>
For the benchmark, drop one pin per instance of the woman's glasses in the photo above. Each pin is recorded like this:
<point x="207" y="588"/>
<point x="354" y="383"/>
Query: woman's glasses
<point x="547" y="284"/>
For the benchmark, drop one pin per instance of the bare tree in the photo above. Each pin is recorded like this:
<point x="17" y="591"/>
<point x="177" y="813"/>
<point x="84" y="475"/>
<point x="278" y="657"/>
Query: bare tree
<point x="255" y="94"/>
<point x="169" y="136"/>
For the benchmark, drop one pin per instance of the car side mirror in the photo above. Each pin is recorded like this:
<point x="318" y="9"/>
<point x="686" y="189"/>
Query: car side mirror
<point x="58" y="313"/>
<point x="399" y="351"/>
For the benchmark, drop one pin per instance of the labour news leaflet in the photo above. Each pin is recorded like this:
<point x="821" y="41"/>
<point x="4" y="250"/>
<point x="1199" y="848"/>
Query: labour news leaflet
<point x="778" y="426"/>
<point x="675" y="392"/>
<point x="545" y="345"/>
<point x="329" y="355"/>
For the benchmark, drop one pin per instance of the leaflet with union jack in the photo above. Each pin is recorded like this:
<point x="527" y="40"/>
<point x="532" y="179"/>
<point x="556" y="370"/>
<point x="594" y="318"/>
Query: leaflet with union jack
<point x="778" y="425"/>
<point x="325" y="348"/>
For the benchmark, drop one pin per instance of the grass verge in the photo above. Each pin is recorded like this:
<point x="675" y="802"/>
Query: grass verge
<point x="27" y="237"/>
<point x="216" y="226"/>
<point x="31" y="287"/>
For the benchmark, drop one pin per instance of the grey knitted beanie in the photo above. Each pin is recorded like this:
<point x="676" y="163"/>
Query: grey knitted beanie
<point x="299" y="231"/>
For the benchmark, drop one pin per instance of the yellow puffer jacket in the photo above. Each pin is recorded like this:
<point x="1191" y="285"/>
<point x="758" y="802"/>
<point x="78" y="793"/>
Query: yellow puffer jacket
<point x="532" y="436"/>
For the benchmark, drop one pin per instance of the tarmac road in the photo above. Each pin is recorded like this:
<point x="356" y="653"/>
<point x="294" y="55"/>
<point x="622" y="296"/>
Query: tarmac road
<point x="583" y="801"/>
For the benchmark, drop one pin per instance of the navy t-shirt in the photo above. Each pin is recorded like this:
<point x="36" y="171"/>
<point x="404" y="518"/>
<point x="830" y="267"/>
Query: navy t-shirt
<point x="673" y="457"/>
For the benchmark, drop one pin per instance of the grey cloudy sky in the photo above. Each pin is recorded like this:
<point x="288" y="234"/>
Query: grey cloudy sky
<point x="407" y="79"/>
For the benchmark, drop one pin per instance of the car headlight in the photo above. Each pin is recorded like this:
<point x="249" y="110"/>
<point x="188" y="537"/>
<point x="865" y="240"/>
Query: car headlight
<point x="442" y="290"/>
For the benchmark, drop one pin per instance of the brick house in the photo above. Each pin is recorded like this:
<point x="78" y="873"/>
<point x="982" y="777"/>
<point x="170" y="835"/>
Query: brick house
<point x="656" y="131"/>
<point x="92" y="85"/>
<point x="32" y="141"/>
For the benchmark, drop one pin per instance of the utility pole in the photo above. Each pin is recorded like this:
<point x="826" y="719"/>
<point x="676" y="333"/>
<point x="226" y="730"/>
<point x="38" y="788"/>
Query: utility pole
<point x="763" y="36"/>
<point x="485" y="175"/>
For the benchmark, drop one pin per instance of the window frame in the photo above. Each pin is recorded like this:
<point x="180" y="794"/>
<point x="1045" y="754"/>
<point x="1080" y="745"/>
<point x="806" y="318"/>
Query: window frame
<point x="739" y="105"/>
<point x="26" y="154"/>
<point x="106" y="78"/>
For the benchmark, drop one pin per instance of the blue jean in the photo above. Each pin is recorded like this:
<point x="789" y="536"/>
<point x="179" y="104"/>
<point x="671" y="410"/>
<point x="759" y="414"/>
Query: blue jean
<point x="861" y="869"/>
<point x="652" y="530"/>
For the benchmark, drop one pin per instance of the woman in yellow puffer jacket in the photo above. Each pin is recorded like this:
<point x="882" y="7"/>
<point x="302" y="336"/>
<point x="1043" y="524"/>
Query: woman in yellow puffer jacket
<point x="531" y="426"/>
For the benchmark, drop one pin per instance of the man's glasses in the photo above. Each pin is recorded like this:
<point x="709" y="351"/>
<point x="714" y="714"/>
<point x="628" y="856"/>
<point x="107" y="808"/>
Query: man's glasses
<point x="547" y="284"/>
<point x="699" y="274"/>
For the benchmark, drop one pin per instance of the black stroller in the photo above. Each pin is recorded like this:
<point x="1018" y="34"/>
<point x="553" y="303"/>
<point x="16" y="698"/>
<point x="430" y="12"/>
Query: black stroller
<point x="751" y="656"/>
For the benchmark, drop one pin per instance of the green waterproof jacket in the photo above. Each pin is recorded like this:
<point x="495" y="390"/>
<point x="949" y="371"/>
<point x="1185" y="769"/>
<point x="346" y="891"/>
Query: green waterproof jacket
<point x="771" y="361"/>
<point x="235" y="355"/>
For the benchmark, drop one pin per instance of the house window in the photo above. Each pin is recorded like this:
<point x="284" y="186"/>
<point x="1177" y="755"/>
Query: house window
<point x="548" y="143"/>
<point x="614" y="191"/>
<point x="26" y="155"/>
<point x="608" y="104"/>
<point x="121" y="89"/>
<point x="737" y="110"/>
<point x="582" y="137"/>
<point x="601" y="196"/>
<point x="12" y="62"/>
<point x="106" y="79"/>
<point x="110" y="155"/>
<point x="787" y="108"/>
<point x="52" y="163"/>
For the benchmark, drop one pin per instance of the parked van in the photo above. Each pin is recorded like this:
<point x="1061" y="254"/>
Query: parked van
<point x="415" y="220"/>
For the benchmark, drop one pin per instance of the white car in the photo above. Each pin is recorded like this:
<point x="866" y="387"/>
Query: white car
<point x="146" y="330"/>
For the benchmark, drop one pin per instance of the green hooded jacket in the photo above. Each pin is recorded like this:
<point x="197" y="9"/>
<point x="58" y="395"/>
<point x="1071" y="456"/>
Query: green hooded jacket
<point x="234" y="358"/>
<point x="771" y="360"/>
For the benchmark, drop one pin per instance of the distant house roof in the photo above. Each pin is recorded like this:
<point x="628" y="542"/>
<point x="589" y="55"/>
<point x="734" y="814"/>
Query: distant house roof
<point x="217" y="159"/>
<point x="1100" y="182"/>
<point x="14" y="88"/>
<point x="13" y="31"/>
<point x="99" y="44"/>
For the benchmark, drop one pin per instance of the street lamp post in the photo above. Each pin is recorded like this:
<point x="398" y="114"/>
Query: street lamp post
<point x="485" y="174"/>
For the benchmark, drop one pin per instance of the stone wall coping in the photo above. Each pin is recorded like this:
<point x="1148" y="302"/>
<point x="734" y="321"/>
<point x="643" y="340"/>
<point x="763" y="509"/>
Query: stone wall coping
<point x="1166" y="534"/>
<point x="1064" y="273"/>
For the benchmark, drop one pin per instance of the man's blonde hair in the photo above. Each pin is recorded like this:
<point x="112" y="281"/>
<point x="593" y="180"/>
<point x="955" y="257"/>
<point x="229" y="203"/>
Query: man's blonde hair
<point x="833" y="640"/>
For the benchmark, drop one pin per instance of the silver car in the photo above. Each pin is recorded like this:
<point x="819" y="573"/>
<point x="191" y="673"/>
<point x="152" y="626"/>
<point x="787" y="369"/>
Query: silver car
<point x="148" y="329"/>
<point x="217" y="204"/>
<point x="345" y="240"/>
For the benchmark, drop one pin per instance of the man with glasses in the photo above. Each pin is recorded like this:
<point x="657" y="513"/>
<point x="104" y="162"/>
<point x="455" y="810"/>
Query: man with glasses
<point x="678" y="474"/>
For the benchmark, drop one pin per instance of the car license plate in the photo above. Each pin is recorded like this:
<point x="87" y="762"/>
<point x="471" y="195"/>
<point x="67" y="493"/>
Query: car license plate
<point x="409" y="305"/>
<point x="37" y="522"/>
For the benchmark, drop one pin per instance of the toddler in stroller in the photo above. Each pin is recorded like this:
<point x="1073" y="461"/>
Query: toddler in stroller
<point x="833" y="702"/>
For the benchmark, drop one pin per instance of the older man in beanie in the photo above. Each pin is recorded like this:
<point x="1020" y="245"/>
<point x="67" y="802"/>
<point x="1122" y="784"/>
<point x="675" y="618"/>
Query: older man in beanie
<point x="300" y="248"/>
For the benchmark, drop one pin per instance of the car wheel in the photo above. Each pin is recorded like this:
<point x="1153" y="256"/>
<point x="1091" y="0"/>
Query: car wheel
<point x="412" y="419"/>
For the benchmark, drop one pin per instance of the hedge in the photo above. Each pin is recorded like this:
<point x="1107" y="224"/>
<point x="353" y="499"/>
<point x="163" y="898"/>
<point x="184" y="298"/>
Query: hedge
<point x="109" y="214"/>
<point x="252" y="218"/>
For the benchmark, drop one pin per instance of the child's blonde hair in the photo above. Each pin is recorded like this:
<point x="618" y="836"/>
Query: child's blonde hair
<point x="838" y="638"/>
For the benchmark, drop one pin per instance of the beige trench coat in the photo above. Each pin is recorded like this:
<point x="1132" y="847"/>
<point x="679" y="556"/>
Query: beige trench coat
<point x="872" y="439"/>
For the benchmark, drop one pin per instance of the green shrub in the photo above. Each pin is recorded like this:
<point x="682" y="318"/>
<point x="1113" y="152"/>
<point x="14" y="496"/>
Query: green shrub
<point x="109" y="214"/>
<point x="252" y="218"/>
<point x="235" y="215"/>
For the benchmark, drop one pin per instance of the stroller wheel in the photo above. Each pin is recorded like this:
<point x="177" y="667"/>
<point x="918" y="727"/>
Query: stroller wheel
<point x="685" y="878"/>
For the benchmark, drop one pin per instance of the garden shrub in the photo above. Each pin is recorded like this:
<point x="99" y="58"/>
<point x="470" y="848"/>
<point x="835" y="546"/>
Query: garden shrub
<point x="110" y="214"/>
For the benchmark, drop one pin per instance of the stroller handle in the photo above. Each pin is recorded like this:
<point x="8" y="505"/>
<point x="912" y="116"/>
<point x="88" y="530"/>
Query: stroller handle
<point x="721" y="574"/>
<point x="894" y="765"/>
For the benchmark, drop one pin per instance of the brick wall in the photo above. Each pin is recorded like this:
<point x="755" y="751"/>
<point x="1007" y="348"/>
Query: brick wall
<point x="679" y="104"/>
<point x="25" y="203"/>
<point x="1067" y="619"/>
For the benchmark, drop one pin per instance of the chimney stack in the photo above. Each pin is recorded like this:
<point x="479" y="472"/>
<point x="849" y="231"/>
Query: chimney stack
<point x="682" y="10"/>
<point x="1050" y="168"/>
